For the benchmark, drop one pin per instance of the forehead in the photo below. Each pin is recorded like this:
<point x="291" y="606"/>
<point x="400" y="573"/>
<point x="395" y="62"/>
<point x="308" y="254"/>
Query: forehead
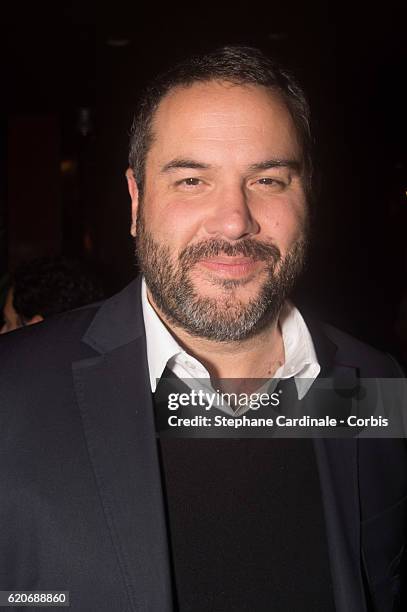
<point x="217" y="114"/>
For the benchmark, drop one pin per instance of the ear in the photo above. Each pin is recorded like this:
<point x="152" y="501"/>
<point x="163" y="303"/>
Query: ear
<point x="133" y="191"/>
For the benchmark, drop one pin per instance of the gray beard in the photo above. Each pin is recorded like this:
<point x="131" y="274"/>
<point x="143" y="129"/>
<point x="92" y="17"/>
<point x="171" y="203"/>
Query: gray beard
<point x="225" y="318"/>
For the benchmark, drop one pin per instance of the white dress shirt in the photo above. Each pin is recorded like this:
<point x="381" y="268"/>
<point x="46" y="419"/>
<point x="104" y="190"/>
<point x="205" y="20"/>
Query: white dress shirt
<point x="163" y="350"/>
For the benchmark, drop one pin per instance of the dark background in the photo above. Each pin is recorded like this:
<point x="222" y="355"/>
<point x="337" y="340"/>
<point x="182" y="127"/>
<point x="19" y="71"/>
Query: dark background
<point x="72" y="73"/>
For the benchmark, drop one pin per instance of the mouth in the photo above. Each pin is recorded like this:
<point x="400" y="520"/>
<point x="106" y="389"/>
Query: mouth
<point x="233" y="267"/>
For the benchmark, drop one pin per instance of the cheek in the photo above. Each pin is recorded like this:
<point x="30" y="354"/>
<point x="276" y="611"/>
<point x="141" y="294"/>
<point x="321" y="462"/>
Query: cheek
<point x="284" y="225"/>
<point x="172" y="222"/>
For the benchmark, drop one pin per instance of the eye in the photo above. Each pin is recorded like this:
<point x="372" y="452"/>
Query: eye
<point x="190" y="182"/>
<point x="270" y="184"/>
<point x="269" y="181"/>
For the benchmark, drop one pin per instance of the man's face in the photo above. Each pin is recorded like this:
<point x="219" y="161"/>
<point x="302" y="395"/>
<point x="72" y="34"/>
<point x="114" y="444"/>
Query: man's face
<point x="220" y="233"/>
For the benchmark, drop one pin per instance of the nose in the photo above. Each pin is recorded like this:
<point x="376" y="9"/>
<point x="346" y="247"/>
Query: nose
<point x="231" y="217"/>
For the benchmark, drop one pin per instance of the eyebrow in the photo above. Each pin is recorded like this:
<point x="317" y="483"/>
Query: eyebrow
<point x="268" y="164"/>
<point x="174" y="164"/>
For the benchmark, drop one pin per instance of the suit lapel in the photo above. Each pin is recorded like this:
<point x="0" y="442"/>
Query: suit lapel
<point x="337" y="464"/>
<point x="337" y="461"/>
<point x="117" y="414"/>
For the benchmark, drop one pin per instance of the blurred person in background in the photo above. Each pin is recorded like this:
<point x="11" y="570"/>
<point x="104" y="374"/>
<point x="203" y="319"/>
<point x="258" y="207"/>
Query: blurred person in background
<point x="44" y="287"/>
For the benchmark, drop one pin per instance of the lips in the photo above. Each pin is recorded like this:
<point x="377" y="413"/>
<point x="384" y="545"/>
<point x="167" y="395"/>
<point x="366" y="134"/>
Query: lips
<point x="230" y="266"/>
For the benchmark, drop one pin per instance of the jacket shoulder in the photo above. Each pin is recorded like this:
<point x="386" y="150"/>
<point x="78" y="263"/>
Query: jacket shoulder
<point x="354" y="352"/>
<point x="55" y="337"/>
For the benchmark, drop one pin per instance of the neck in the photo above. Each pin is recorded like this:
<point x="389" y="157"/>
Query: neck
<point x="258" y="356"/>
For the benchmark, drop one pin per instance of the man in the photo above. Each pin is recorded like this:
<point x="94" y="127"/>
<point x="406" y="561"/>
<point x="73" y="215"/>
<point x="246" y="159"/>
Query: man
<point x="220" y="178"/>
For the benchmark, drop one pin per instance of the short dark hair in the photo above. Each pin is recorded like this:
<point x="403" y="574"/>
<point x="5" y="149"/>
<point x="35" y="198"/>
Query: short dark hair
<point x="48" y="285"/>
<point x="234" y="64"/>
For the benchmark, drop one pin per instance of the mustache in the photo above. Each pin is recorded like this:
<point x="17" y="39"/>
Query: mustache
<point x="254" y="249"/>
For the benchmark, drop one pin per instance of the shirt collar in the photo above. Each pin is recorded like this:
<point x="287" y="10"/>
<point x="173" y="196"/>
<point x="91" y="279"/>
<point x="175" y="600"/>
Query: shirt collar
<point x="161" y="345"/>
<point x="300" y="356"/>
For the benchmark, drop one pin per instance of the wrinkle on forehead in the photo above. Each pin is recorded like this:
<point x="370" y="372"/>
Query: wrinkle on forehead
<point x="224" y="128"/>
<point x="229" y="116"/>
<point x="246" y="134"/>
<point x="215" y="126"/>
